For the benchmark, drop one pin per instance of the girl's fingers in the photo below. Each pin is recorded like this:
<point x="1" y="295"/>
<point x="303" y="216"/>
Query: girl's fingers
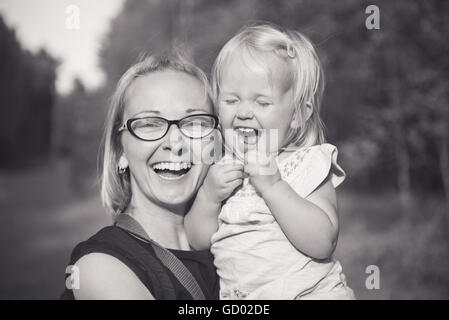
<point x="251" y="169"/>
<point x="233" y="175"/>
<point x="233" y="167"/>
<point x="234" y="184"/>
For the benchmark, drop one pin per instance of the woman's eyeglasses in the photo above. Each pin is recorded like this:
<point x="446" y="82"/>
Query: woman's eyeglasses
<point x="154" y="128"/>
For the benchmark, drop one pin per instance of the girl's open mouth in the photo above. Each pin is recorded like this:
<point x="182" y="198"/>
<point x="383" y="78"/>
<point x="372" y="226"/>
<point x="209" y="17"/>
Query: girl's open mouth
<point x="247" y="134"/>
<point x="171" y="170"/>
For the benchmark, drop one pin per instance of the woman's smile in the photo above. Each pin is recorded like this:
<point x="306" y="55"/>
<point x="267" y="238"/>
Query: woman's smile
<point x="171" y="170"/>
<point x="163" y="170"/>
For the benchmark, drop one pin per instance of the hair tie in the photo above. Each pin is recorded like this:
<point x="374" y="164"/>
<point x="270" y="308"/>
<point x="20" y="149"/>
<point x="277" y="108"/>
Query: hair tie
<point x="291" y="52"/>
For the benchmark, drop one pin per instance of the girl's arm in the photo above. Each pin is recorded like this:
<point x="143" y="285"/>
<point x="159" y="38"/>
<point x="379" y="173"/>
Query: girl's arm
<point x="310" y="224"/>
<point x="201" y="222"/>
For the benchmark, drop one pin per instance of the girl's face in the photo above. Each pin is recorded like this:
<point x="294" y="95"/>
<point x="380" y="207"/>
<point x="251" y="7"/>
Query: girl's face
<point x="163" y="171"/>
<point x="251" y="99"/>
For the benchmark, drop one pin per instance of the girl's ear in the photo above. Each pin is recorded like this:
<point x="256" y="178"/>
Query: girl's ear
<point x="308" y="109"/>
<point x="295" y="123"/>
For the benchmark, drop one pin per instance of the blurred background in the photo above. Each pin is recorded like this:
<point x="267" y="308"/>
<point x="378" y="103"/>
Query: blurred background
<point x="386" y="107"/>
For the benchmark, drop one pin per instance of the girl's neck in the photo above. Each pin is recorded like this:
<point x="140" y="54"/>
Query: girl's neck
<point x="163" y="225"/>
<point x="285" y="152"/>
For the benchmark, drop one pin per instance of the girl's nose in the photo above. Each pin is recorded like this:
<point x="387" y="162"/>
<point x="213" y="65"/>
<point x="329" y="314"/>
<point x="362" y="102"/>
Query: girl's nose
<point x="245" y="111"/>
<point x="174" y="141"/>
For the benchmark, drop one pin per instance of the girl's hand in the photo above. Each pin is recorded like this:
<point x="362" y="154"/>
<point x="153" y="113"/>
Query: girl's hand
<point x="221" y="180"/>
<point x="262" y="170"/>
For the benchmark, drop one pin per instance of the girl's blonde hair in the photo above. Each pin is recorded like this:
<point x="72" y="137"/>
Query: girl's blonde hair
<point x="115" y="187"/>
<point x="303" y="72"/>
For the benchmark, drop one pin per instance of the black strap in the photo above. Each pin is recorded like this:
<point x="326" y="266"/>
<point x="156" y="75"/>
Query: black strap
<point x="167" y="258"/>
<point x="122" y="245"/>
<point x="161" y="285"/>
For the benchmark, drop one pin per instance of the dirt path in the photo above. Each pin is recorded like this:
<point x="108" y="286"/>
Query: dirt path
<point x="41" y="222"/>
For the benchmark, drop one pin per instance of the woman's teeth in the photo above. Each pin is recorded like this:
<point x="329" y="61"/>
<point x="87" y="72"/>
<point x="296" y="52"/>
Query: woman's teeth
<point x="171" y="170"/>
<point x="173" y="166"/>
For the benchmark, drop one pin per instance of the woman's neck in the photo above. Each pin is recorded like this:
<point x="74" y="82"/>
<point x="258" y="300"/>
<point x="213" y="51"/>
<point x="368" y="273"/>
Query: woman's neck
<point x="165" y="226"/>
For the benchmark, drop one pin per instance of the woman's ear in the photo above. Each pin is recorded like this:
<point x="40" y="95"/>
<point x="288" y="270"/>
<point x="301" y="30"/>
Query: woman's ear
<point x="123" y="163"/>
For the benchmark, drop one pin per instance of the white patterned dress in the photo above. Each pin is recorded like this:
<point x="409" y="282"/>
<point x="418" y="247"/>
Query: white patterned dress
<point x="255" y="260"/>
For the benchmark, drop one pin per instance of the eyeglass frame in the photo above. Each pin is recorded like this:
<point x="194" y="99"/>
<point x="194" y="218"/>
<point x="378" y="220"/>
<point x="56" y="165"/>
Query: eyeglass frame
<point x="127" y="125"/>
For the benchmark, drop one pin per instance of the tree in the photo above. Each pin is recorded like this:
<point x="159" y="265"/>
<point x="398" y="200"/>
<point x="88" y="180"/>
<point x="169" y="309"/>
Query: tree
<point x="27" y="91"/>
<point x="385" y="103"/>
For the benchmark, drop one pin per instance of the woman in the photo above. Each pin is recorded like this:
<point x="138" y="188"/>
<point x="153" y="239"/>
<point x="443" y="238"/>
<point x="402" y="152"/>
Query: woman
<point x="159" y="119"/>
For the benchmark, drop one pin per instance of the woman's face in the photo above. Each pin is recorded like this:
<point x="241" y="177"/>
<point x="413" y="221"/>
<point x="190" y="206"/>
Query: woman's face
<point x="163" y="171"/>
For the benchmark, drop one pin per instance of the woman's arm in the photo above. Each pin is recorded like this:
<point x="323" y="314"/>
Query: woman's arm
<point x="310" y="224"/>
<point x="103" y="277"/>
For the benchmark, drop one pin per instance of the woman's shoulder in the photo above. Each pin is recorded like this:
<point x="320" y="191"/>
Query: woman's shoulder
<point x="112" y="251"/>
<point x="106" y="240"/>
<point x="105" y="276"/>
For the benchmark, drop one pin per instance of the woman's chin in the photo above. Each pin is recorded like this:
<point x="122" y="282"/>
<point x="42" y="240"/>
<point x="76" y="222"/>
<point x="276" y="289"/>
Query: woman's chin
<point x="175" y="190"/>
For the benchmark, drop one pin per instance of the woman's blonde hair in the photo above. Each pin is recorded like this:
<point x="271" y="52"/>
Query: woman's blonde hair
<point x="303" y="73"/>
<point x="115" y="187"/>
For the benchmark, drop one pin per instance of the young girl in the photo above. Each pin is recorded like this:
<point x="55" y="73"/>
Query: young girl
<point x="274" y="195"/>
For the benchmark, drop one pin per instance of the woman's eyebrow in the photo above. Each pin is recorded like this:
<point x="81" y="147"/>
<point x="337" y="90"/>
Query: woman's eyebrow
<point x="190" y="110"/>
<point x="145" y="112"/>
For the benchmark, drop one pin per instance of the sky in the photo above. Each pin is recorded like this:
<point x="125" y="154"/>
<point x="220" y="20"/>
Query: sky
<point x="71" y="30"/>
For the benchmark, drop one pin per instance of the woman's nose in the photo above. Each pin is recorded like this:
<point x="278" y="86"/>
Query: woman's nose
<point x="174" y="141"/>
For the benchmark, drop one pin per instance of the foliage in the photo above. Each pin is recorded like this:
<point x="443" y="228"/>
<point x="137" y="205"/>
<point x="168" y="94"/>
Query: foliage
<point x="26" y="100"/>
<point x="386" y="102"/>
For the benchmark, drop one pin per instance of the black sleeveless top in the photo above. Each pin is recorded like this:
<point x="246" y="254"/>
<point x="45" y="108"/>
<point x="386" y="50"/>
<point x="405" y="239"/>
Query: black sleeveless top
<point x="158" y="279"/>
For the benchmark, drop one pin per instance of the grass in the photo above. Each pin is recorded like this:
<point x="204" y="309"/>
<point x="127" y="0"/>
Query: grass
<point x="42" y="220"/>
<point x="410" y="247"/>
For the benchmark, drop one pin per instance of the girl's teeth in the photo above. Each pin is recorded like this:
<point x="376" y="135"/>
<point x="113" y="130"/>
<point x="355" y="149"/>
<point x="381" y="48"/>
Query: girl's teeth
<point x="247" y="131"/>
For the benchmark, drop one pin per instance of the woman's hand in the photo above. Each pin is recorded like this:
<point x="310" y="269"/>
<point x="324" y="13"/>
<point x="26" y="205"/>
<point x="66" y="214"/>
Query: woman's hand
<point x="221" y="180"/>
<point x="262" y="170"/>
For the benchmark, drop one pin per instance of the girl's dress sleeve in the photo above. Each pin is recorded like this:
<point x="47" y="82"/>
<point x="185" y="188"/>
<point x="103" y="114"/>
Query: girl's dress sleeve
<point x="314" y="165"/>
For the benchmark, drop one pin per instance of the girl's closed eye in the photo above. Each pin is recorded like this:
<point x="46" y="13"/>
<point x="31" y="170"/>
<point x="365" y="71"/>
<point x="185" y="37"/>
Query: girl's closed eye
<point x="230" y="101"/>
<point x="263" y="102"/>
